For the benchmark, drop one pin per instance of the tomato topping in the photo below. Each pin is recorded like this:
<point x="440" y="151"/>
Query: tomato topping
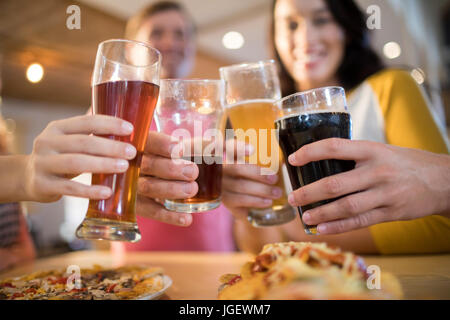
<point x="30" y="290"/>
<point x="234" y="280"/>
<point x="17" y="295"/>
<point x="62" y="280"/>
<point x="8" y="284"/>
<point x="111" y="288"/>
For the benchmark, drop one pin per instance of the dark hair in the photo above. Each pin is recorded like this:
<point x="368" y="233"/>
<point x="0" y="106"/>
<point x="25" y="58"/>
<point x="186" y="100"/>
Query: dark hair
<point x="360" y="60"/>
<point x="135" y="22"/>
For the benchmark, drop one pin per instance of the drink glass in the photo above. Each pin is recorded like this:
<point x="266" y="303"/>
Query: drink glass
<point x="251" y="89"/>
<point x="308" y="117"/>
<point x="191" y="112"/>
<point x="125" y="84"/>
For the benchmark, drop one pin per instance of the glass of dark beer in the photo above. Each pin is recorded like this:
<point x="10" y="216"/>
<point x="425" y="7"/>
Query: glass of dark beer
<point x="125" y="84"/>
<point x="192" y="113"/>
<point x="308" y="117"/>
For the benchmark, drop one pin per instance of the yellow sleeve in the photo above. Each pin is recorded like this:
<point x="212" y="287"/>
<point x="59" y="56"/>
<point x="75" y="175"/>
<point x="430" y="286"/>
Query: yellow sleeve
<point x="409" y="123"/>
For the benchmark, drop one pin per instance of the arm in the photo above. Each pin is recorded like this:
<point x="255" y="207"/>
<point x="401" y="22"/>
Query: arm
<point x="244" y="187"/>
<point x="410" y="124"/>
<point x="12" y="175"/>
<point x="62" y="151"/>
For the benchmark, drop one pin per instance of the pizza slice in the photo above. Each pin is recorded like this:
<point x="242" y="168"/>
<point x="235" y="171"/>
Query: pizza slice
<point x="305" y="270"/>
<point x="128" y="282"/>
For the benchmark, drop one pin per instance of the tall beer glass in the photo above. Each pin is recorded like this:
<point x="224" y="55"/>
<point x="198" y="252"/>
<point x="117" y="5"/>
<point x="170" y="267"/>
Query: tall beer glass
<point x="192" y="112"/>
<point x="251" y="90"/>
<point x="125" y="84"/>
<point x="308" y="117"/>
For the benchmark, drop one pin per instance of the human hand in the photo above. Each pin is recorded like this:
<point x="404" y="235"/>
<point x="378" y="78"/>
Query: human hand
<point x="164" y="178"/>
<point x="66" y="149"/>
<point x="244" y="186"/>
<point x="388" y="183"/>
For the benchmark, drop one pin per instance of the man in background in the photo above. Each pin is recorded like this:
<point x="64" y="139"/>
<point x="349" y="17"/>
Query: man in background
<point x="169" y="28"/>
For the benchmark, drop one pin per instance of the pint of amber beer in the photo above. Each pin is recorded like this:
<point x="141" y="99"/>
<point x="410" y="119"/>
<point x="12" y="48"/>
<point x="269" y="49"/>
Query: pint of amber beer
<point x="125" y="84"/>
<point x="251" y="90"/>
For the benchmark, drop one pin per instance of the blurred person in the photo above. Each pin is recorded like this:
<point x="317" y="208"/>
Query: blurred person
<point x="16" y="245"/>
<point x="320" y="43"/>
<point x="169" y="28"/>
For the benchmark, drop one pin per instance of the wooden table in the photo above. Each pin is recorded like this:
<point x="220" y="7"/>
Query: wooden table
<point x="195" y="275"/>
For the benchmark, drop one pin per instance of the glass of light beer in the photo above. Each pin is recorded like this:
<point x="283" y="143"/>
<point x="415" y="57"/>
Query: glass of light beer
<point x="251" y="89"/>
<point x="192" y="113"/>
<point x="308" y="117"/>
<point x="125" y="84"/>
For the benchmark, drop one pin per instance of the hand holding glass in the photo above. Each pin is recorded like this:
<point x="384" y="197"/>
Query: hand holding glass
<point x="308" y="117"/>
<point x="191" y="112"/>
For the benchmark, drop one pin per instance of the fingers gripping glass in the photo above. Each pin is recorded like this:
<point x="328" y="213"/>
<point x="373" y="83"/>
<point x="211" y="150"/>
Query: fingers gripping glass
<point x="251" y="90"/>
<point x="308" y="117"/>
<point x="191" y="111"/>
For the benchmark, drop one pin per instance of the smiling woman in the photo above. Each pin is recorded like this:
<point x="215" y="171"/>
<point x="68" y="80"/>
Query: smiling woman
<point x="320" y="43"/>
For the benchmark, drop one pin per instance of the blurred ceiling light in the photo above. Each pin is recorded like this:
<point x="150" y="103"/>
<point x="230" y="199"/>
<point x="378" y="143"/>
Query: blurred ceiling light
<point x="418" y="75"/>
<point x="233" y="40"/>
<point x="35" y="72"/>
<point x="392" y="50"/>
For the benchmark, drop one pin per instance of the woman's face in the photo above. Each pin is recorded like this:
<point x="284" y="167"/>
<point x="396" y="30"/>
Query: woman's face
<point x="309" y="41"/>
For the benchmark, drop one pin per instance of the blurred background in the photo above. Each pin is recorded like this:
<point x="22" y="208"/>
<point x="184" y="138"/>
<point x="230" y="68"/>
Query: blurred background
<point x="46" y="68"/>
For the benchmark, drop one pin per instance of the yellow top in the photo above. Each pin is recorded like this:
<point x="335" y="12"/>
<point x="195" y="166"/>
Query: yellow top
<point x="396" y="112"/>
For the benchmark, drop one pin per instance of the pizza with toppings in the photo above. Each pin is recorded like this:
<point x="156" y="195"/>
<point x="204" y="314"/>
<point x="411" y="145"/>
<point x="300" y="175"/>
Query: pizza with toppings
<point x="303" y="270"/>
<point x="97" y="283"/>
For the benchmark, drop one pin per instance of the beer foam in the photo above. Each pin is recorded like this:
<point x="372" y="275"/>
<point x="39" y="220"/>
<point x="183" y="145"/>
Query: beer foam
<point x="245" y="102"/>
<point x="296" y="114"/>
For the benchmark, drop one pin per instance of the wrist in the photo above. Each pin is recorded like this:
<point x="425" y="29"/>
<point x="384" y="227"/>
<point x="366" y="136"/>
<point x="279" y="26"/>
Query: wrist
<point x="441" y="184"/>
<point x="13" y="177"/>
<point x="23" y="177"/>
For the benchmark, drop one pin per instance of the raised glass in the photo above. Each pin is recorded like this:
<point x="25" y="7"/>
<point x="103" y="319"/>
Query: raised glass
<point x="251" y="89"/>
<point x="125" y="84"/>
<point x="308" y="117"/>
<point x="192" y="112"/>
